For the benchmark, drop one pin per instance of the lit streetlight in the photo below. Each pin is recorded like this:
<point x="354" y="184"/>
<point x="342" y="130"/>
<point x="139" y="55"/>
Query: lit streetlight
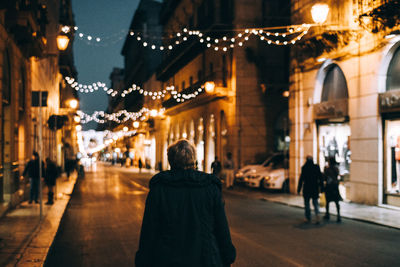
<point x="73" y="103"/>
<point x="62" y="42"/>
<point x="319" y="13"/>
<point x="136" y="124"/>
<point x="209" y="86"/>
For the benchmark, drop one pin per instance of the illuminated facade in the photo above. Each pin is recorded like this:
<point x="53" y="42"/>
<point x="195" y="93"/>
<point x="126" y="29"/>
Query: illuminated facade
<point x="29" y="62"/>
<point x="344" y="97"/>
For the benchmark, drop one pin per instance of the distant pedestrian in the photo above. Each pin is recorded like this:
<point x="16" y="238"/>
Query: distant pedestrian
<point x="184" y="222"/>
<point x="32" y="170"/>
<point x="229" y="167"/>
<point x="140" y="165"/>
<point x="50" y="176"/>
<point x="331" y="174"/>
<point x="216" y="167"/>
<point x="312" y="184"/>
<point x="70" y="160"/>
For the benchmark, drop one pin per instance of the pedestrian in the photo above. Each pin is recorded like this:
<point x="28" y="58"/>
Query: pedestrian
<point x="332" y="194"/>
<point x="140" y="164"/>
<point x="229" y="167"/>
<point x="216" y="167"/>
<point x="70" y="161"/>
<point x="312" y="184"/>
<point x="32" y="170"/>
<point x="50" y="176"/>
<point x="184" y="222"/>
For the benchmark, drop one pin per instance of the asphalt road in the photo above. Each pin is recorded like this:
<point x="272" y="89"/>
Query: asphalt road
<point x="102" y="222"/>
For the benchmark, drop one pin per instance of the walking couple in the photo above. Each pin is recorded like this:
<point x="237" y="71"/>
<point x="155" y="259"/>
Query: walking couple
<point x="313" y="182"/>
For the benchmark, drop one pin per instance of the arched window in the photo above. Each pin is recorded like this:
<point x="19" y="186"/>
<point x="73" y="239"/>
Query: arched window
<point x="335" y="85"/>
<point x="393" y="74"/>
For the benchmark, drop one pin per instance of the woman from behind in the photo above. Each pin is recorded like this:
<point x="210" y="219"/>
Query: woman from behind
<point x="184" y="222"/>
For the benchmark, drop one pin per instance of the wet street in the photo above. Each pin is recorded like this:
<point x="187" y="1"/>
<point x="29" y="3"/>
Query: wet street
<point x="101" y="226"/>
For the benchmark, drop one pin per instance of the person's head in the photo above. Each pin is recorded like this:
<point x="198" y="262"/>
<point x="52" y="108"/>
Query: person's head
<point x="309" y="159"/>
<point x="216" y="158"/>
<point x="181" y="155"/>
<point x="35" y="155"/>
<point x="229" y="155"/>
<point x="332" y="161"/>
<point x="48" y="160"/>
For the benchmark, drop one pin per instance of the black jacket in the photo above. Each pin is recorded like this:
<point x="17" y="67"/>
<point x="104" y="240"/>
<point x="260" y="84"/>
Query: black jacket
<point x="311" y="180"/>
<point x="51" y="174"/>
<point x="184" y="222"/>
<point x="32" y="169"/>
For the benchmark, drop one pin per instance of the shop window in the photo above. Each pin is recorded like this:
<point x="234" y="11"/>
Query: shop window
<point x="392" y="155"/>
<point x="335" y="85"/>
<point x="393" y="76"/>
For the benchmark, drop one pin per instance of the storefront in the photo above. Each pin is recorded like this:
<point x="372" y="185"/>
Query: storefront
<point x="389" y="106"/>
<point x="332" y="122"/>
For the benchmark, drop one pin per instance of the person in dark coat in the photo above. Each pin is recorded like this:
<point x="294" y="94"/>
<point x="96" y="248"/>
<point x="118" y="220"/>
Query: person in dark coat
<point x="216" y="167"/>
<point x="331" y="174"/>
<point x="140" y="165"/>
<point x="50" y="177"/>
<point x="32" y="170"/>
<point x="312" y="183"/>
<point x="184" y="222"/>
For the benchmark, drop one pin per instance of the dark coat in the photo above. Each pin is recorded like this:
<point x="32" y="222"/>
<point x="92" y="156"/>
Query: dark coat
<point x="310" y="180"/>
<point x="332" y="184"/>
<point x="32" y="169"/>
<point x="184" y="222"/>
<point x="50" y="174"/>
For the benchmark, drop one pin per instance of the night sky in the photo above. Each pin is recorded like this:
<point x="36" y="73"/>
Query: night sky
<point x="94" y="61"/>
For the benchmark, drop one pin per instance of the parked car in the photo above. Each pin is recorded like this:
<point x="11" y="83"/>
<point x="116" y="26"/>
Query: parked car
<point x="252" y="169"/>
<point x="273" y="176"/>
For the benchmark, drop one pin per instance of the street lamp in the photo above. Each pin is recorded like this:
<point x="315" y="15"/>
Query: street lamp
<point x="209" y="86"/>
<point x="62" y="42"/>
<point x="73" y="103"/>
<point x="136" y="124"/>
<point x="319" y="13"/>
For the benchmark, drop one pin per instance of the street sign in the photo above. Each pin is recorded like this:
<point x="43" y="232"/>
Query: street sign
<point x="36" y="97"/>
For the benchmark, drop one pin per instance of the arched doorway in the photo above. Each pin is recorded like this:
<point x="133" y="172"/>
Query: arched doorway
<point x="389" y="103"/>
<point x="332" y="120"/>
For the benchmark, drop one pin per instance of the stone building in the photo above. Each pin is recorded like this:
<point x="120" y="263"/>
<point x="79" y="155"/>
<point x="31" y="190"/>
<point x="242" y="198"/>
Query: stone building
<point x="344" y="97"/>
<point x="29" y="61"/>
<point x="224" y="98"/>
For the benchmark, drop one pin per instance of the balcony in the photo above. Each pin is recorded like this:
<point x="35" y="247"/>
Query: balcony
<point x="28" y="26"/>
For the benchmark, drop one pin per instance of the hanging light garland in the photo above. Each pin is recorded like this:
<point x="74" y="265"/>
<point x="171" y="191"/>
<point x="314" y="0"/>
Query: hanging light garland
<point x="284" y="35"/>
<point x="118" y="117"/>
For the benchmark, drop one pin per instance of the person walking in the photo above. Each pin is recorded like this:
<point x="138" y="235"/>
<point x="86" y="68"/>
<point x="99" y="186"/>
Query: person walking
<point x="32" y="170"/>
<point x="140" y="165"/>
<point x="216" y="167"/>
<point x="184" y="222"/>
<point x="229" y="169"/>
<point x="50" y="177"/>
<point x="331" y="174"/>
<point x="312" y="184"/>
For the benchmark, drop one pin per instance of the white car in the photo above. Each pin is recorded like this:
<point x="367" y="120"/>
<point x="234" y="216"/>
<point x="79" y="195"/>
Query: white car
<point x="272" y="176"/>
<point x="252" y="169"/>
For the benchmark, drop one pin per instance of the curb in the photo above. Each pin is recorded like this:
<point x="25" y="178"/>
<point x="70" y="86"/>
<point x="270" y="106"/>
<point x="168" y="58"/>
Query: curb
<point x="35" y="250"/>
<point x="343" y="215"/>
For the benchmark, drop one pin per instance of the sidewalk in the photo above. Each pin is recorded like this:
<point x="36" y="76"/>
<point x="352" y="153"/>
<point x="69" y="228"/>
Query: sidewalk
<point x="385" y="216"/>
<point x="24" y="238"/>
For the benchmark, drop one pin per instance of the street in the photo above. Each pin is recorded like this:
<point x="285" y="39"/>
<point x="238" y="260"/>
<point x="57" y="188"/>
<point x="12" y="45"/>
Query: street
<point x="101" y="227"/>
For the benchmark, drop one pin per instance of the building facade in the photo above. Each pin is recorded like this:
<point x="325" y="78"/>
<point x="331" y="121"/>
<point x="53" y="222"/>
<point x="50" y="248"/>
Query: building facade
<point x="29" y="62"/>
<point x="239" y="89"/>
<point x="344" y="97"/>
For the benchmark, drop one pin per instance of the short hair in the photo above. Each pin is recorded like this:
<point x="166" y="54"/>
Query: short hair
<point x="181" y="155"/>
<point x="35" y="154"/>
